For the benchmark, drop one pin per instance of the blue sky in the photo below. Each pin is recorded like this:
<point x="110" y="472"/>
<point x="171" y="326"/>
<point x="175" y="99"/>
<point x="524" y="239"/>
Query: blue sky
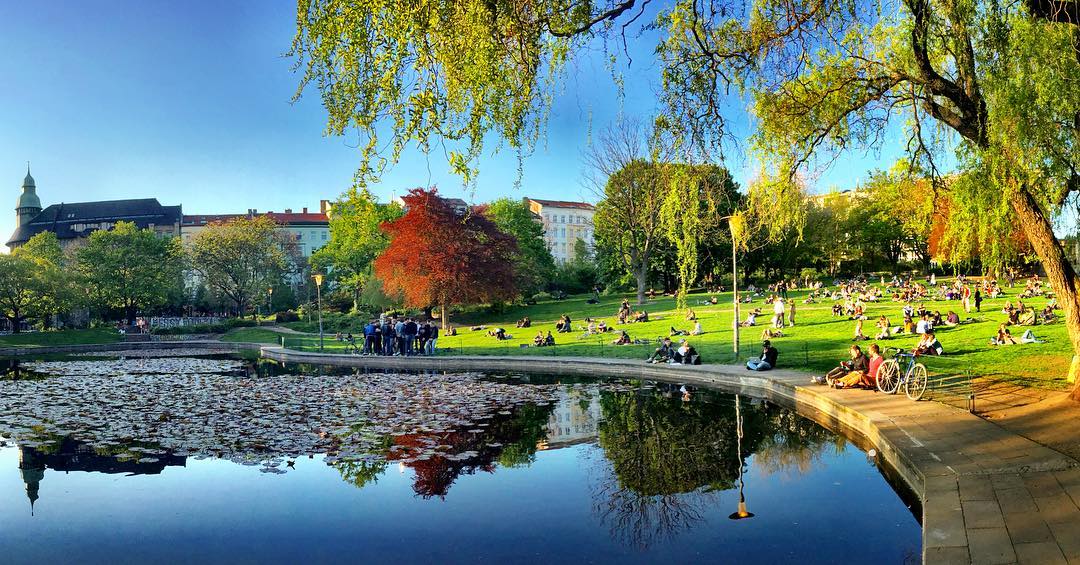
<point x="189" y="102"/>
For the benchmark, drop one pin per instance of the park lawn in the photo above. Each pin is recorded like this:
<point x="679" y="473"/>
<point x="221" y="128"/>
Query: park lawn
<point x="816" y="344"/>
<point x="61" y="337"/>
<point x="252" y="335"/>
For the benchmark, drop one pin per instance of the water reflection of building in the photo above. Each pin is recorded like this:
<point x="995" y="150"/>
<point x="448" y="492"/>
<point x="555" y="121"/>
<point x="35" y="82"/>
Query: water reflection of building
<point x="575" y="418"/>
<point x="71" y="455"/>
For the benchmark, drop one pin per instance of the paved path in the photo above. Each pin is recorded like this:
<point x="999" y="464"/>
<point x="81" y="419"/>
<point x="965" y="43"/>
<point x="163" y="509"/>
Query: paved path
<point x="988" y="495"/>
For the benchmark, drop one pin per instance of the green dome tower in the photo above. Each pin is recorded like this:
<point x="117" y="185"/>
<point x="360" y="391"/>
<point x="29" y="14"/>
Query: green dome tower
<point x="29" y="204"/>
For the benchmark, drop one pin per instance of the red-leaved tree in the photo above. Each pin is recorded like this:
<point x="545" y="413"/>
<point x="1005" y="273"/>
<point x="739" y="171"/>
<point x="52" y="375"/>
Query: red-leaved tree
<point x="439" y="255"/>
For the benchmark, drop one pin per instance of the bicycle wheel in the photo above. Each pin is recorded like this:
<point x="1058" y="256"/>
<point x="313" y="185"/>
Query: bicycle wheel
<point x="888" y="376"/>
<point x="916" y="382"/>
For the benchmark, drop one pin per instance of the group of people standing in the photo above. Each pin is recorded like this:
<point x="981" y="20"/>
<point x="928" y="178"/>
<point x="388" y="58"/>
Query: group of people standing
<point x="397" y="336"/>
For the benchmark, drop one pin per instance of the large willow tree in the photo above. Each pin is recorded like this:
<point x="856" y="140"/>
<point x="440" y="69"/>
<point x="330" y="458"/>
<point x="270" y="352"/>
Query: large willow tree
<point x="997" y="82"/>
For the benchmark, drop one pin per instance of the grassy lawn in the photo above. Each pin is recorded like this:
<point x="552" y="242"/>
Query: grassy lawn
<point x="252" y="335"/>
<point x="815" y="344"/>
<point x="65" y="337"/>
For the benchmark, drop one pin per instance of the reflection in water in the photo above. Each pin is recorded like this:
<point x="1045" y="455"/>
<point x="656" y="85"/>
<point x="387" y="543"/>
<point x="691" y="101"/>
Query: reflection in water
<point x="659" y="457"/>
<point x="665" y="459"/>
<point x="66" y="455"/>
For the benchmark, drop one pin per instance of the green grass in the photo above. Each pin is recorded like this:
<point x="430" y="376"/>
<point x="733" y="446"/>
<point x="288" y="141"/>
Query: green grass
<point x="252" y="335"/>
<point x="816" y="344"/>
<point x="64" y="337"/>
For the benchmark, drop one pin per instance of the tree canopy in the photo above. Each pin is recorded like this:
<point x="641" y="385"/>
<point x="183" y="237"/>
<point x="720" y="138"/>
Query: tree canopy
<point x="240" y="259"/>
<point x="442" y="256"/>
<point x="534" y="265"/>
<point x="130" y="268"/>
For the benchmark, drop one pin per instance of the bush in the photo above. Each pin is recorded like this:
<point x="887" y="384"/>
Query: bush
<point x="288" y="316"/>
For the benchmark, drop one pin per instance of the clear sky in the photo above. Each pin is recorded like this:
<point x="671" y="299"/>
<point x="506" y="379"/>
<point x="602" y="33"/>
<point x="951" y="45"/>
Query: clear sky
<point x="189" y="102"/>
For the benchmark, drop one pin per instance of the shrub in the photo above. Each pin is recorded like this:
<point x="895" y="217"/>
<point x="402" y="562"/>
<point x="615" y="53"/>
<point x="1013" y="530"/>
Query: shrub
<point x="288" y="316"/>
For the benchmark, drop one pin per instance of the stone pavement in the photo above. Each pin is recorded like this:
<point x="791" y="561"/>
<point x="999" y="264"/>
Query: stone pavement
<point x="988" y="495"/>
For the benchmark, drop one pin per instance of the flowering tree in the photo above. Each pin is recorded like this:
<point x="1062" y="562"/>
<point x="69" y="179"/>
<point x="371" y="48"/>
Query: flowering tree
<point x="441" y="256"/>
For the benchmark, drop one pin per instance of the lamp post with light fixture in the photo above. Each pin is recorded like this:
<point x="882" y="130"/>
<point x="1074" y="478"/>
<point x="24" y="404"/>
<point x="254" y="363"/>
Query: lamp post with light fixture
<point x="318" y="292"/>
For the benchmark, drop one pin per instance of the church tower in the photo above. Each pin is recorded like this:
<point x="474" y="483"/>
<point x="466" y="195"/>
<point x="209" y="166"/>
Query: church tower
<point x="29" y="204"/>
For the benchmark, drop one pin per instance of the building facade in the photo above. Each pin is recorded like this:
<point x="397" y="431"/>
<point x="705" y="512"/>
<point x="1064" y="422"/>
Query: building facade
<point x="565" y="224"/>
<point x="310" y="230"/>
<point x="75" y="221"/>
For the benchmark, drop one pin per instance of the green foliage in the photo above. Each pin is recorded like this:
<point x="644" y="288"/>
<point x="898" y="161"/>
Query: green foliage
<point x="355" y="241"/>
<point x="129" y="268"/>
<point x="534" y="265"/>
<point x="240" y="259"/>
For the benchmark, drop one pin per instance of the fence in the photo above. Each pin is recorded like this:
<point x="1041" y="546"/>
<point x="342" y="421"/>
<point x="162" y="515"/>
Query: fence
<point x="177" y="322"/>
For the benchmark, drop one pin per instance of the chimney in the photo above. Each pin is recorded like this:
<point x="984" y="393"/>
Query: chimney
<point x="288" y="210"/>
<point x="305" y="209"/>
<point x="324" y="205"/>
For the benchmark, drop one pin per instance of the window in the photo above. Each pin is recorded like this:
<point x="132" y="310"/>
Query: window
<point x="324" y="236"/>
<point x="299" y="236"/>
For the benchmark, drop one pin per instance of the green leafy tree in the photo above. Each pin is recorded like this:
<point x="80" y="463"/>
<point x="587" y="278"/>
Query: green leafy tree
<point x="240" y="259"/>
<point x="129" y="268"/>
<point x="534" y="266"/>
<point x="20" y="295"/>
<point x="995" y="81"/>
<point x="355" y="241"/>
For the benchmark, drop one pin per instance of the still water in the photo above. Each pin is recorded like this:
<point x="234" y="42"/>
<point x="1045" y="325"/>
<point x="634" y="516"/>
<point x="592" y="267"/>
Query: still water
<point x="230" y="460"/>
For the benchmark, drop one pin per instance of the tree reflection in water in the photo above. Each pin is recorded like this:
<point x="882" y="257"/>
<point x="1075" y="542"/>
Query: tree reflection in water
<point x="438" y="459"/>
<point x="665" y="460"/>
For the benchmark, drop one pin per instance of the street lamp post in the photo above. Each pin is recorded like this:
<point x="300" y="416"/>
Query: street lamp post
<point x="318" y="292"/>
<point x="734" y="225"/>
<point x="742" y="513"/>
<point x="270" y="300"/>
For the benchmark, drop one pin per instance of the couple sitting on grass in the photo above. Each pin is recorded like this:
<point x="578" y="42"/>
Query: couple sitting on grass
<point x="685" y="354"/>
<point x="859" y="371"/>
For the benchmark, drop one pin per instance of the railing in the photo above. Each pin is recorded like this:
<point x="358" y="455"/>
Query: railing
<point x="177" y="322"/>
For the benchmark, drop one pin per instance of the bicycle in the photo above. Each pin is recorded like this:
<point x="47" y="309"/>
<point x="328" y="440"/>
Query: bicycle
<point x="913" y="377"/>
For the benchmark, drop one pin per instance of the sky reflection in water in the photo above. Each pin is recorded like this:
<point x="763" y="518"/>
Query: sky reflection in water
<point x="605" y="473"/>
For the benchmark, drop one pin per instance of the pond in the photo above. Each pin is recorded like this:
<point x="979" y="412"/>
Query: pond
<point x="225" y="459"/>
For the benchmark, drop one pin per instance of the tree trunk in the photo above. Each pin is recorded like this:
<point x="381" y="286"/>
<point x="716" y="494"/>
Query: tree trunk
<point x="1059" y="271"/>
<point x="444" y="314"/>
<point x="642" y="276"/>
<point x="130" y="311"/>
<point x="15" y="325"/>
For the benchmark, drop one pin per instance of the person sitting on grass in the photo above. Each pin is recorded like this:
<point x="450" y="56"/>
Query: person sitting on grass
<point x="837" y="310"/>
<point x="538" y="341"/>
<point x="1003" y="337"/>
<point x="602" y="327"/>
<point x="929" y="345"/>
<point x="935" y="319"/>
<point x="690" y="315"/>
<point x="697" y="328"/>
<point x="712" y="300"/>
<point x="1048" y="314"/>
<point x="857" y="363"/>
<point x="499" y="334"/>
<point x="563" y="325"/>
<point x="675" y="332"/>
<point x="549" y="339"/>
<point x="524" y="322"/>
<point x="859" y="336"/>
<point x="623" y="339"/>
<point x="686" y="354"/>
<point x="1027" y="317"/>
<point x="662" y="353"/>
<point x="642" y="316"/>
<point x="952" y="319"/>
<point x="350" y="344"/>
<point x="751" y="318"/>
<point x="765" y="361"/>
<point x="883" y="327"/>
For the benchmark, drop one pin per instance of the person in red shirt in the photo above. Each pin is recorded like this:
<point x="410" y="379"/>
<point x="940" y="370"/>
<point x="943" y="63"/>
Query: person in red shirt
<point x="875" y="363"/>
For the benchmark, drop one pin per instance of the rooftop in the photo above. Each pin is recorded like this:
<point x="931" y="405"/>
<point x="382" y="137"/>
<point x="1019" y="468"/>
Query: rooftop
<point x="563" y="204"/>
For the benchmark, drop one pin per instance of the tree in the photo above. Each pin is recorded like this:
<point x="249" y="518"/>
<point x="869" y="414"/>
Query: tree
<point x="240" y="259"/>
<point x="20" y="293"/>
<point x="628" y="221"/>
<point x="355" y="240"/>
<point x="130" y="268"/>
<point x="997" y="82"/>
<point x="534" y="266"/>
<point x="440" y="257"/>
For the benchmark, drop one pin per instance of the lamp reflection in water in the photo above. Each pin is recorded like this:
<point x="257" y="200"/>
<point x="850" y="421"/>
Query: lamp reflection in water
<point x="741" y="513"/>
